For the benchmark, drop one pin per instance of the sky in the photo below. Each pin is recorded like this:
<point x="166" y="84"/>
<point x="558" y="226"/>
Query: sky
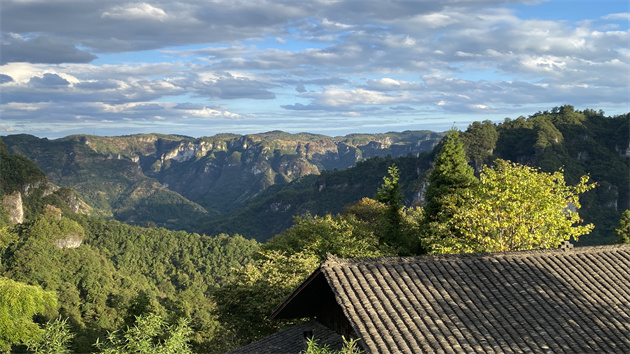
<point x="333" y="67"/>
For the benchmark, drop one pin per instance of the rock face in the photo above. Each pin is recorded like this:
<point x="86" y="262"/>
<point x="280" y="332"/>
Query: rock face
<point x="222" y="172"/>
<point x="72" y="241"/>
<point x="76" y="204"/>
<point x="12" y="203"/>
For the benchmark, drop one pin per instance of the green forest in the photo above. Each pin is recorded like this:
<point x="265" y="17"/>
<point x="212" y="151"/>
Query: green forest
<point x="75" y="282"/>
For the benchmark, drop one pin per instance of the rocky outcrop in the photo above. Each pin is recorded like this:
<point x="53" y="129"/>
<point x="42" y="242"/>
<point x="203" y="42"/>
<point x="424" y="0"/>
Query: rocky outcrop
<point x="186" y="151"/>
<point x="48" y="188"/>
<point x="76" y="204"/>
<point x="72" y="241"/>
<point x="200" y="169"/>
<point x="12" y="203"/>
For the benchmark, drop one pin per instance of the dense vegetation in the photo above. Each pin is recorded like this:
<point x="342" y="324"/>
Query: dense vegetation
<point x="74" y="282"/>
<point x="121" y="271"/>
<point x="579" y="143"/>
<point x="100" y="276"/>
<point x="274" y="209"/>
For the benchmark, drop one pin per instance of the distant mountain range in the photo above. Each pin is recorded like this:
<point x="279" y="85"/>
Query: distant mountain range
<point x="175" y="181"/>
<point x="255" y="184"/>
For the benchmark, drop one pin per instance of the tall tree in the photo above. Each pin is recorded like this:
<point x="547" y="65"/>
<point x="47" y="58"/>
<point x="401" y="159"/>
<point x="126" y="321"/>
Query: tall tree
<point x="450" y="173"/>
<point x="390" y="194"/>
<point x="513" y="207"/>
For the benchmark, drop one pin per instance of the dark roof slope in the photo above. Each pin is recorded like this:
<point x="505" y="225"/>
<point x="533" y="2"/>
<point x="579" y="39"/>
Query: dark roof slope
<point x="293" y="340"/>
<point x="575" y="300"/>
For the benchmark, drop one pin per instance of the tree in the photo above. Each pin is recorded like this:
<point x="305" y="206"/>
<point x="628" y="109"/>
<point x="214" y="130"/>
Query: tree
<point x="390" y="194"/>
<point x="513" y="207"/>
<point x="623" y="230"/>
<point x="19" y="302"/>
<point x="244" y="304"/>
<point x="450" y="172"/>
<point x="342" y="235"/>
<point x="374" y="217"/>
<point x="55" y="339"/>
<point x="150" y="335"/>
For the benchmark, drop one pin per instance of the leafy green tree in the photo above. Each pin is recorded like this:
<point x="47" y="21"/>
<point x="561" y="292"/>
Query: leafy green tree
<point x="450" y="173"/>
<point x="374" y="216"/>
<point x="19" y="302"/>
<point x="342" y="235"/>
<point x="7" y="237"/>
<point x="513" y="207"/>
<point x="623" y="230"/>
<point x="244" y="304"/>
<point x="546" y="133"/>
<point x="55" y="339"/>
<point x="150" y="335"/>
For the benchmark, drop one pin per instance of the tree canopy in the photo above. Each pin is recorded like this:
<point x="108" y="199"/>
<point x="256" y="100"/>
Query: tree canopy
<point x="512" y="207"/>
<point x="19" y="302"/>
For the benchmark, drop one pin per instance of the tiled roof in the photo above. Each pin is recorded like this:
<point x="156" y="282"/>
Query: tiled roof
<point x="292" y="340"/>
<point x="575" y="300"/>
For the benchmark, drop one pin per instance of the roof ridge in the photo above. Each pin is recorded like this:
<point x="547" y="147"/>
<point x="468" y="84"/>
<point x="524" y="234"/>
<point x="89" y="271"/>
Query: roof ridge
<point x="332" y="260"/>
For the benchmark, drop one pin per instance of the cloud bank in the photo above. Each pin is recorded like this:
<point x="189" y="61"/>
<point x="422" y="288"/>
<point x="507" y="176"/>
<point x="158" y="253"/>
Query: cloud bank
<point x="335" y="67"/>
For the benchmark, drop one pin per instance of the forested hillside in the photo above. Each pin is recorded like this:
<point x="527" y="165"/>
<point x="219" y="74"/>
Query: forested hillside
<point x="112" y="187"/>
<point x="273" y="210"/>
<point x="578" y="143"/>
<point x="103" y="273"/>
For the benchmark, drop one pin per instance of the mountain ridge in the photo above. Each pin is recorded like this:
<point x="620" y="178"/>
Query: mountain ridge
<point x="123" y="176"/>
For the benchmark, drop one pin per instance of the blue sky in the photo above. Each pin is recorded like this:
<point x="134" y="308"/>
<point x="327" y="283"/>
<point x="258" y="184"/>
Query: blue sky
<point x="333" y="67"/>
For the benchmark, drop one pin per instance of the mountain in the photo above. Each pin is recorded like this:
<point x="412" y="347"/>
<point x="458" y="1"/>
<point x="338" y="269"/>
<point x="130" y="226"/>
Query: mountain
<point x="111" y="186"/>
<point x="25" y="190"/>
<point x="273" y="210"/>
<point x="173" y="181"/>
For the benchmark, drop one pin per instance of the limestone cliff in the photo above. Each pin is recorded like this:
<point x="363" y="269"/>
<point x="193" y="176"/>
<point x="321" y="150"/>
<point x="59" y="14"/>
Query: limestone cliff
<point x="12" y="204"/>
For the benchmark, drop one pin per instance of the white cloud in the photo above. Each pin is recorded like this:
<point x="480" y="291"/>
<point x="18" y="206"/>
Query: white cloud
<point x="135" y="12"/>
<point x="623" y="16"/>
<point x="340" y="97"/>
<point x="212" y="113"/>
<point x="435" y="20"/>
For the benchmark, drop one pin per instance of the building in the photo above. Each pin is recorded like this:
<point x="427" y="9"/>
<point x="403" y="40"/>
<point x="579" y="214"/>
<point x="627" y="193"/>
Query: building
<point x="573" y="300"/>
